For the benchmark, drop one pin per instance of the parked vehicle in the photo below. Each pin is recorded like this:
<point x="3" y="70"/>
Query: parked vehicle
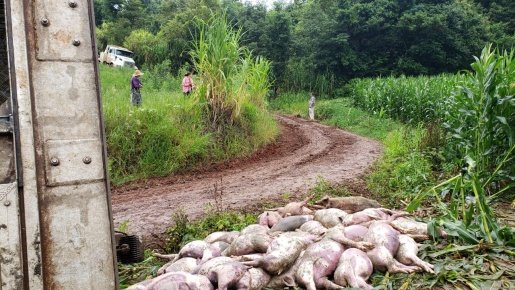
<point x="117" y="56"/>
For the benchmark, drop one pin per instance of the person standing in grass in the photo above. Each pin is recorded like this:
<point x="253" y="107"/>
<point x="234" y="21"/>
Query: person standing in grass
<point x="187" y="84"/>
<point x="311" y="108"/>
<point x="136" y="86"/>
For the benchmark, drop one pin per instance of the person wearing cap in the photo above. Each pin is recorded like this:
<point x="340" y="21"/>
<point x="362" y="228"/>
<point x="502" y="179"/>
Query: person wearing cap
<point x="136" y="85"/>
<point x="187" y="84"/>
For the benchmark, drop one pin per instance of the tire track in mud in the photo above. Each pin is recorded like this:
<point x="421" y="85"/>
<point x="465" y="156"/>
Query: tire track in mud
<point x="305" y="151"/>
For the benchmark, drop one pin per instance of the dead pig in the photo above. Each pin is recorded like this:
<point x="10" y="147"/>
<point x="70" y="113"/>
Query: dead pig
<point x="286" y="279"/>
<point x="407" y="254"/>
<point x="248" y="244"/>
<point x="175" y="280"/>
<point x="416" y="230"/>
<point x="313" y="227"/>
<point x="253" y="279"/>
<point x="291" y="223"/>
<point x="254" y="229"/>
<point x="355" y="232"/>
<point x="354" y="269"/>
<point x="318" y="262"/>
<point x="187" y="264"/>
<point x="269" y="218"/>
<point x="198" y="249"/>
<point x="370" y="214"/>
<point x="337" y="233"/>
<point x="283" y="252"/>
<point x="295" y="208"/>
<point x="350" y="204"/>
<point x="227" y="237"/>
<point x="386" y="242"/>
<point x="222" y="271"/>
<point x="329" y="217"/>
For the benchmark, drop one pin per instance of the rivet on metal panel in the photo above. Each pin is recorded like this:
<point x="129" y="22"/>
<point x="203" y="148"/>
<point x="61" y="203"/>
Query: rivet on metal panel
<point x="54" y="161"/>
<point x="45" y="22"/>
<point x="76" y="42"/>
<point x="72" y="4"/>
<point x="86" y="160"/>
<point x="7" y="203"/>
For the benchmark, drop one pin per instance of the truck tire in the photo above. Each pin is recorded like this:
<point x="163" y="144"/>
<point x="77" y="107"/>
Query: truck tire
<point x="136" y="252"/>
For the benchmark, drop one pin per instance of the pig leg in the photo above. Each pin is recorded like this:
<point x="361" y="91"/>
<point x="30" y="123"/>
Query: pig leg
<point x="364" y="246"/>
<point x="407" y="254"/>
<point x="324" y="283"/>
<point x="402" y="230"/>
<point x="305" y="275"/>
<point x="227" y="276"/>
<point x="169" y="257"/>
<point x="382" y="260"/>
<point x="418" y="262"/>
<point x="320" y="268"/>
<point x="397" y="267"/>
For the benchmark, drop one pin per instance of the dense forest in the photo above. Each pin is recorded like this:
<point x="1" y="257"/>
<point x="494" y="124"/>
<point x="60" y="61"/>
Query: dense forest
<point x="316" y="44"/>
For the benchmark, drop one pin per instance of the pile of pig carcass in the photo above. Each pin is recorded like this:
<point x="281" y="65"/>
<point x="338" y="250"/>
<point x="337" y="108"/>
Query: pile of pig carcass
<point x="338" y="242"/>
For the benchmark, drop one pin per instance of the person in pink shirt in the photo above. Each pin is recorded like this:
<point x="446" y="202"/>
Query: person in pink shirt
<point x="187" y="84"/>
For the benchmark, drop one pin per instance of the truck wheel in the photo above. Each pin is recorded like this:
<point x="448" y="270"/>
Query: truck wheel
<point x="136" y="252"/>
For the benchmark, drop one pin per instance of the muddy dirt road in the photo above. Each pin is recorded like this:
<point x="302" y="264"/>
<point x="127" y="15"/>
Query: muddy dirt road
<point x="305" y="151"/>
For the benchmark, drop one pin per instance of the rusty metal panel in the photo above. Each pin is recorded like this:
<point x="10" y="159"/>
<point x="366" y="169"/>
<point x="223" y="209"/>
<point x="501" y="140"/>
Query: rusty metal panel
<point x="73" y="161"/>
<point x="10" y="256"/>
<point x="66" y="100"/>
<point x="62" y="30"/>
<point x="29" y="210"/>
<point x="77" y="241"/>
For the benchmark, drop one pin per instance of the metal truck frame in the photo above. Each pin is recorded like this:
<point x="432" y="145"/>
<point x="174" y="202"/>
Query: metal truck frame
<point x="56" y="230"/>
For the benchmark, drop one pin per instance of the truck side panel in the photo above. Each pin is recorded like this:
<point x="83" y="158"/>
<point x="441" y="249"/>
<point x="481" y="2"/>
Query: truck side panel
<point x="65" y="207"/>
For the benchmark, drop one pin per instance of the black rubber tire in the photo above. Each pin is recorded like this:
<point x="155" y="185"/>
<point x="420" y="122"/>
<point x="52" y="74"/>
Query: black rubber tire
<point x="136" y="253"/>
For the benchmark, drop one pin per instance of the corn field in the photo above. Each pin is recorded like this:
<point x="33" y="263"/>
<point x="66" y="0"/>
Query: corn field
<point x="407" y="99"/>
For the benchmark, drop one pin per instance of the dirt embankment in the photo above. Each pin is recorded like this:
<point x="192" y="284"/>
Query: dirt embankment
<point x="305" y="151"/>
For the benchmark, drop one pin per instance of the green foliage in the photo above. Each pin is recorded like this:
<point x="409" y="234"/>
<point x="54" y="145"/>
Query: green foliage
<point x="130" y="274"/>
<point x="315" y="45"/>
<point x="185" y="231"/>
<point x="480" y="125"/>
<point x="404" y="169"/>
<point x="457" y="266"/>
<point x="148" y="48"/>
<point x="481" y="115"/>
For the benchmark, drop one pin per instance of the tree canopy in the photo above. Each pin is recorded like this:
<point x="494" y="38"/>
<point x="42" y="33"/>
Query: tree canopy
<point x="313" y="43"/>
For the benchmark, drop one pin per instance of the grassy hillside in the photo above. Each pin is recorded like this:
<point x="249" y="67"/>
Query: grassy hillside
<point x="168" y="132"/>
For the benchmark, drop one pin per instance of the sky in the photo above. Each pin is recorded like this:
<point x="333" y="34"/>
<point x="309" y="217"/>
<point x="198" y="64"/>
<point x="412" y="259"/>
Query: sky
<point x="267" y="2"/>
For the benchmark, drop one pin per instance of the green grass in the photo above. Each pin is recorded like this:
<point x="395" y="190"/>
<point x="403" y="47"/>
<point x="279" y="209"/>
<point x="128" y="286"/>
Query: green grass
<point x="337" y="112"/>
